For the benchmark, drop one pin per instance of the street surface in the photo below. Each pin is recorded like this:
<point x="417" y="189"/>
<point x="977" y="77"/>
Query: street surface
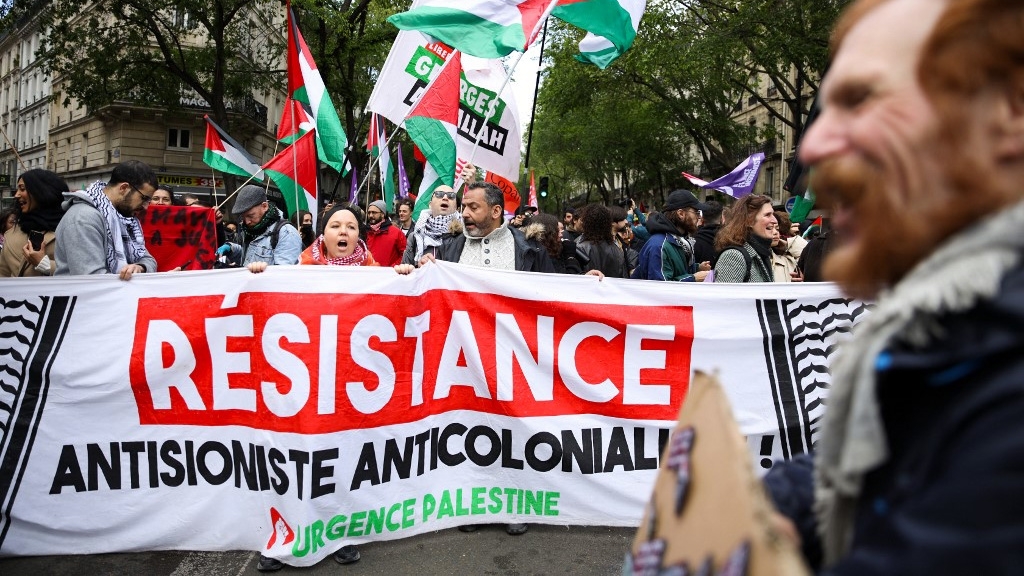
<point x="489" y="551"/>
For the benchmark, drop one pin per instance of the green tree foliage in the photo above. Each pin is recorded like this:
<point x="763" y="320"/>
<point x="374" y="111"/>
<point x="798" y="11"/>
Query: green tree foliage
<point x="156" y="51"/>
<point x="590" y="138"/>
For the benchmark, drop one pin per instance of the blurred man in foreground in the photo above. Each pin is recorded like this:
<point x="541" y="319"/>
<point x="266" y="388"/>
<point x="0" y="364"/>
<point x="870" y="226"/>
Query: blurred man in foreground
<point x="921" y="142"/>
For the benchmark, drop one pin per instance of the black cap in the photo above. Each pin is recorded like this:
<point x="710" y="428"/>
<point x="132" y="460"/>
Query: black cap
<point x="683" y="199"/>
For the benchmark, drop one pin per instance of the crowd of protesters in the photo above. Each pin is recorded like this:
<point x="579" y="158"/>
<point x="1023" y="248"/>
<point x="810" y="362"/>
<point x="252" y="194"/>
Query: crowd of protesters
<point x="53" y="231"/>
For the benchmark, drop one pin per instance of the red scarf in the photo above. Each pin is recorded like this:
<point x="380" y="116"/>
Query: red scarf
<point x="356" y="258"/>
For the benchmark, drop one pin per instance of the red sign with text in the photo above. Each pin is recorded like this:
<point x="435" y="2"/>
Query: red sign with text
<point x="315" y="363"/>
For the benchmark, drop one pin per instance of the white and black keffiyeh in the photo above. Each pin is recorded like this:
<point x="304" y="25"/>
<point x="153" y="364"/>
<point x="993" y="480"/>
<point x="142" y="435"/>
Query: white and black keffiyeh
<point x="125" y="244"/>
<point x="429" y="230"/>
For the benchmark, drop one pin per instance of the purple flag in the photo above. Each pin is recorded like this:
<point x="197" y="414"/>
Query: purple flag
<point x="403" y="179"/>
<point x="354" y="188"/>
<point x="738" y="183"/>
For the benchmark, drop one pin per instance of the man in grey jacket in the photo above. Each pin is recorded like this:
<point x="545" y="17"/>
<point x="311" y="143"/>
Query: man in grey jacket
<point x="99" y="233"/>
<point x="266" y="236"/>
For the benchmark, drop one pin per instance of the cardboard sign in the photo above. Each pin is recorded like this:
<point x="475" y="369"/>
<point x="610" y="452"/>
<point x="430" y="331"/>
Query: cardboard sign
<point x="709" y="513"/>
<point x="181" y="236"/>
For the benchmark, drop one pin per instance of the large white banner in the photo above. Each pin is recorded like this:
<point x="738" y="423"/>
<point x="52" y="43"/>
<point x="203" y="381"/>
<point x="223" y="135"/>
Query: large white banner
<point x="305" y="408"/>
<point x="415" y="59"/>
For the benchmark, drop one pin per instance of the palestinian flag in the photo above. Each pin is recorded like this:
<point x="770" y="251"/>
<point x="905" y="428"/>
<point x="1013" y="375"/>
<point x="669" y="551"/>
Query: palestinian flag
<point x="294" y="172"/>
<point x="296" y="120"/>
<point x="802" y="207"/>
<point x="482" y="28"/>
<point x="431" y="125"/>
<point x="307" y="87"/>
<point x="611" y="26"/>
<point x="224" y="154"/>
<point x="376" y="141"/>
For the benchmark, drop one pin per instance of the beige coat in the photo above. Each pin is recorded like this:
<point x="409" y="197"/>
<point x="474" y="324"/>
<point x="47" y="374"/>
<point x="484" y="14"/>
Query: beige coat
<point x="12" y="258"/>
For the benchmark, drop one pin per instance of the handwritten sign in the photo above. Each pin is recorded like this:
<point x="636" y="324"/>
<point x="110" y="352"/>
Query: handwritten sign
<point x="184" y="236"/>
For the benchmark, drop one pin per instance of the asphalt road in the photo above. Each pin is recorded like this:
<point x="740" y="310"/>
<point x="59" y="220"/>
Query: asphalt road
<point x="489" y="551"/>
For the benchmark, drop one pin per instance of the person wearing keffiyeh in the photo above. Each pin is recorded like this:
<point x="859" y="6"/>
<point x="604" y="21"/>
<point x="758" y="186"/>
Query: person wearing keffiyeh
<point x="432" y="225"/>
<point x="99" y="234"/>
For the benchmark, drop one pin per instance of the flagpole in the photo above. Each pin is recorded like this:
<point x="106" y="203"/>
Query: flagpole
<point x="536" y="88"/>
<point x="213" y="184"/>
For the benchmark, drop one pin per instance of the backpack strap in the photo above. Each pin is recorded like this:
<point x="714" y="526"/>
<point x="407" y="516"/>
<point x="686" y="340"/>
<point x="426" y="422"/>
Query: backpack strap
<point x="275" y="234"/>
<point x="746" y="260"/>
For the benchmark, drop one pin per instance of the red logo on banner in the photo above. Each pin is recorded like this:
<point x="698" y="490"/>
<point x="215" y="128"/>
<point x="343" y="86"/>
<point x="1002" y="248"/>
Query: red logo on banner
<point x="315" y="363"/>
<point x="279" y="528"/>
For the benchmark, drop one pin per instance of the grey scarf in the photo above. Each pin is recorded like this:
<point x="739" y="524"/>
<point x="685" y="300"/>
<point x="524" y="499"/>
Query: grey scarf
<point x="964" y="270"/>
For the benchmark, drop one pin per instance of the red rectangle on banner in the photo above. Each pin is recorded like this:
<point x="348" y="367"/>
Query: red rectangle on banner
<point x="314" y="363"/>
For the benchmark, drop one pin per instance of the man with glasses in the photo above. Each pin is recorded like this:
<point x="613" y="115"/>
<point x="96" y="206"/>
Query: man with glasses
<point x="99" y="233"/>
<point x="385" y="241"/>
<point x="668" y="254"/>
<point x="432" y="225"/>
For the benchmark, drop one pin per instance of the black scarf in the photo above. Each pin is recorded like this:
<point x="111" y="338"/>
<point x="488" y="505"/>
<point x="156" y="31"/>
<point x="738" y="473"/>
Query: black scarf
<point x="40" y="220"/>
<point x="268" y="220"/>
<point x="763" y="247"/>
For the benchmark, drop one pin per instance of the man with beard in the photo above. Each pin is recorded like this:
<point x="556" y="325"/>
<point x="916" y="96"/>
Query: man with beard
<point x="99" y="233"/>
<point x="405" y="222"/>
<point x="704" y="244"/>
<point x="432" y="225"/>
<point x="668" y="255"/>
<point x="569" y="231"/>
<point x="487" y="240"/>
<point x="265" y="235"/>
<point x="918" y="466"/>
<point x="385" y="241"/>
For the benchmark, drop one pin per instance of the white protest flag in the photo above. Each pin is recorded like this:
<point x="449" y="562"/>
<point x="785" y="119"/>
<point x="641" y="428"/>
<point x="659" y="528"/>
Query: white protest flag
<point x="412" y="62"/>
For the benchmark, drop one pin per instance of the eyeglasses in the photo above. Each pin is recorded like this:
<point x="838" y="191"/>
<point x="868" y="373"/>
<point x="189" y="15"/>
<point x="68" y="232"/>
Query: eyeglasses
<point x="145" y="199"/>
<point x="444" y="194"/>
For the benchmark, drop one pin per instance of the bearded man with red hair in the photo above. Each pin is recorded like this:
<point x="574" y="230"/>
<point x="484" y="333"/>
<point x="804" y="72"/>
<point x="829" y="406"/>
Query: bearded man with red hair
<point x="920" y="141"/>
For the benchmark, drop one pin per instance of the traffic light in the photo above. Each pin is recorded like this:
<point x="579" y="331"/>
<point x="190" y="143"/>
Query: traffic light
<point x="543" y="190"/>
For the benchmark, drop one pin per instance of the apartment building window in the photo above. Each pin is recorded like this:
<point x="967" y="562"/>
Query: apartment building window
<point x="183" y="20"/>
<point x="769" y="187"/>
<point x="179" y="139"/>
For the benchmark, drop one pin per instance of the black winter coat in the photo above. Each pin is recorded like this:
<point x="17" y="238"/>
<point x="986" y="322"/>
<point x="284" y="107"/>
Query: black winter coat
<point x="948" y="500"/>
